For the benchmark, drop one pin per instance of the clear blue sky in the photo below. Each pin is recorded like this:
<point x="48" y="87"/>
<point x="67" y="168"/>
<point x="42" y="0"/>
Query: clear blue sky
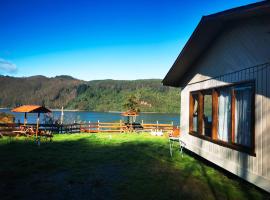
<point x="98" y="39"/>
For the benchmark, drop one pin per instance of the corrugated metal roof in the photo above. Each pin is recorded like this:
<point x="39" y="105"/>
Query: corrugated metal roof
<point x="205" y="33"/>
<point x="31" y="109"/>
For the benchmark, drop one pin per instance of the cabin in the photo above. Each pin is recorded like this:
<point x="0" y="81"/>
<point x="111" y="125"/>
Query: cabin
<point x="224" y="75"/>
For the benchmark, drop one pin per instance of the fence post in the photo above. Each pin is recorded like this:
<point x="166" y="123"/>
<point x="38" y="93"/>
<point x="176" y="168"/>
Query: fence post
<point x="98" y="126"/>
<point x="157" y="125"/>
<point x="120" y="124"/>
<point x="89" y="126"/>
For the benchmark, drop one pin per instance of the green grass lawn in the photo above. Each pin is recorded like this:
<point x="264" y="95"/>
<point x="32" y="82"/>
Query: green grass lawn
<point x="124" y="166"/>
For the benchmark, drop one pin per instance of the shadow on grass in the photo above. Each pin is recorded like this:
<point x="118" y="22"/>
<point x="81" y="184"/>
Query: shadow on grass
<point x="220" y="190"/>
<point x="89" y="167"/>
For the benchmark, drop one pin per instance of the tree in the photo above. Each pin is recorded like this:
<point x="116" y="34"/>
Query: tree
<point x="132" y="103"/>
<point x="6" y="118"/>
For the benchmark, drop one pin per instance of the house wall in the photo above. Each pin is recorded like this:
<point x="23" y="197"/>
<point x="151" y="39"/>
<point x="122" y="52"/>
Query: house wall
<point x="242" y="45"/>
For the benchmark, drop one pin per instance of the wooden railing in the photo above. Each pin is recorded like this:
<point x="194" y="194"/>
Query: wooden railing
<point x="123" y="127"/>
<point x="164" y="127"/>
<point x="92" y="127"/>
<point x="96" y="127"/>
<point x="55" y="128"/>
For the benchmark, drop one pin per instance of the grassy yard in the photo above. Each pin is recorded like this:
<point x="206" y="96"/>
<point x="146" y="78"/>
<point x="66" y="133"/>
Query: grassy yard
<point x="124" y="166"/>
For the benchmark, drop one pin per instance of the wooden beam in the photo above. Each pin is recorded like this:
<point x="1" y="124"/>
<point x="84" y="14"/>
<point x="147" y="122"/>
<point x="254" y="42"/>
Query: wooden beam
<point x="25" y="119"/>
<point x="200" y="113"/>
<point x="191" y="111"/>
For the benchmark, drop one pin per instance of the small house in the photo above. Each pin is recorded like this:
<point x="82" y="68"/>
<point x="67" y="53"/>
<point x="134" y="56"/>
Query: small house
<point x="224" y="75"/>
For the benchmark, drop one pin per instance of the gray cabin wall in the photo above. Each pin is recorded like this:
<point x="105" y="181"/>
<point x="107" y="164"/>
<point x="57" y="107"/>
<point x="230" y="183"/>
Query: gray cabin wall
<point x="243" y="45"/>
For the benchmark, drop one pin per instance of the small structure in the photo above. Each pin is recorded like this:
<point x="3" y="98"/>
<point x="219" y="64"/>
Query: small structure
<point x="131" y="116"/>
<point x="131" y="120"/>
<point x="31" y="109"/>
<point x="224" y="73"/>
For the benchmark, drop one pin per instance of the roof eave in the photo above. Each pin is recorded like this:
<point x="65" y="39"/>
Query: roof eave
<point x="206" y="31"/>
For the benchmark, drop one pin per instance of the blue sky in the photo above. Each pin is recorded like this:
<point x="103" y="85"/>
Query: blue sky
<point x="101" y="39"/>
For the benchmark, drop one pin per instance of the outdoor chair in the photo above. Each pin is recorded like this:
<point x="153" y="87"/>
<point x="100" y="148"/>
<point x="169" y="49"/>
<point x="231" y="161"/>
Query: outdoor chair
<point x="174" y="136"/>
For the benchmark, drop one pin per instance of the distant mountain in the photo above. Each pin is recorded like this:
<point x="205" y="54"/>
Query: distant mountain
<point x="98" y="95"/>
<point x="52" y="92"/>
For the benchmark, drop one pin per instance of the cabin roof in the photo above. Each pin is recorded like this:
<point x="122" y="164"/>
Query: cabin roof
<point x="207" y="30"/>
<point x="130" y="113"/>
<point x="31" y="109"/>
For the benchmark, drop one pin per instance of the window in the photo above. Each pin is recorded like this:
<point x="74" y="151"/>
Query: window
<point x="224" y="115"/>
<point x="194" y="111"/>
<point x="243" y="115"/>
<point x="207" y="113"/>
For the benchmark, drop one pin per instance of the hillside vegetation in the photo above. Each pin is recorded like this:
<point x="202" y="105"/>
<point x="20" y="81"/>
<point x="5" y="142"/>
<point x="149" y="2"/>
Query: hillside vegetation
<point x="99" y="95"/>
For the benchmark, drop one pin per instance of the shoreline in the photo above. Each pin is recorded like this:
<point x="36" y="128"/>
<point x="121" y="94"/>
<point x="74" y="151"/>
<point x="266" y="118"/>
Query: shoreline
<point x="110" y="111"/>
<point x="69" y="110"/>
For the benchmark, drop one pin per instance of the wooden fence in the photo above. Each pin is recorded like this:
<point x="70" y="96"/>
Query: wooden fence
<point x="123" y="127"/>
<point x="55" y="128"/>
<point x="92" y="127"/>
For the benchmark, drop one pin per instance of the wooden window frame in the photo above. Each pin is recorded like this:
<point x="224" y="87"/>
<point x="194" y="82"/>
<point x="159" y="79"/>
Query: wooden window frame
<point x="199" y="112"/>
<point x="191" y="111"/>
<point x="214" y="114"/>
<point x="214" y="139"/>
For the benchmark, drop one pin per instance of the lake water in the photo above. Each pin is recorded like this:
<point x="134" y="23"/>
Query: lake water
<point x="86" y="116"/>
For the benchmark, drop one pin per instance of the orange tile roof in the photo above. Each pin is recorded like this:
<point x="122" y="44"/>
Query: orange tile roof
<point x="130" y="113"/>
<point x="31" y="109"/>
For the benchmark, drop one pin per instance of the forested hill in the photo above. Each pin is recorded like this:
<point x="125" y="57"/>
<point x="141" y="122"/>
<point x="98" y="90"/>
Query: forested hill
<point x="99" y="95"/>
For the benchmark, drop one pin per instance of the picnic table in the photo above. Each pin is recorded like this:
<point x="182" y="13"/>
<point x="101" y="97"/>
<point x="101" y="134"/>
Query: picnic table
<point x="30" y="131"/>
<point x="24" y="131"/>
<point x="32" y="109"/>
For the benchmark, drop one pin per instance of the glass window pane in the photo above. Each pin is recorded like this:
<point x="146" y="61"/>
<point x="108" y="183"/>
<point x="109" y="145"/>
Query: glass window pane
<point x="195" y="112"/>
<point x="224" y="115"/>
<point x="207" y="114"/>
<point x="242" y="130"/>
